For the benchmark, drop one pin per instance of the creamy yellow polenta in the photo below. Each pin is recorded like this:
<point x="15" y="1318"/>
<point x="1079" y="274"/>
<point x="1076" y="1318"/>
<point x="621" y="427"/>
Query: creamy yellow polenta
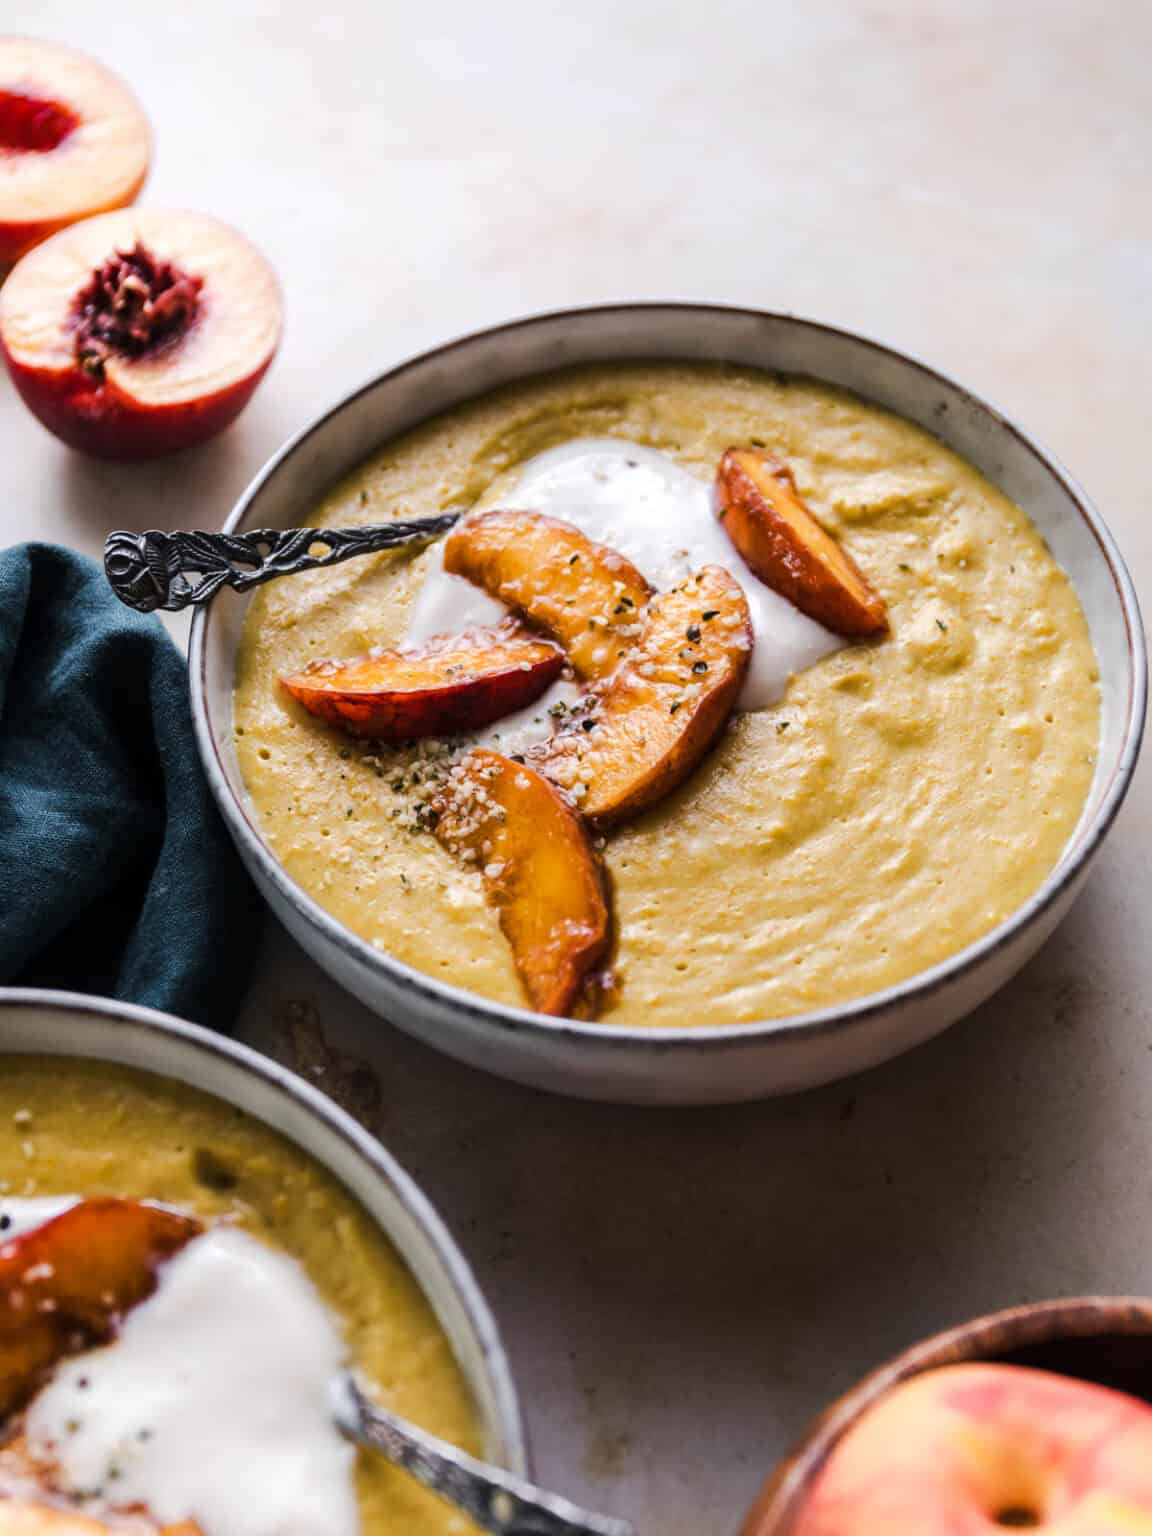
<point x="76" y="1127"/>
<point x="903" y="798"/>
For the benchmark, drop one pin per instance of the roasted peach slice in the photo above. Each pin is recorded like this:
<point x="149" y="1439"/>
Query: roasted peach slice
<point x="77" y="1274"/>
<point x="589" y="597"/>
<point x="651" y="723"/>
<point x="26" y="1357"/>
<point x="448" y="686"/>
<point x="787" y="548"/>
<point x="540" y="872"/>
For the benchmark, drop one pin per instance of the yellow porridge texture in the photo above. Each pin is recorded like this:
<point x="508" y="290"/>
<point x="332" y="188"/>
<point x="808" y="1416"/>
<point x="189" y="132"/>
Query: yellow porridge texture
<point x="904" y="797"/>
<point x="76" y="1127"/>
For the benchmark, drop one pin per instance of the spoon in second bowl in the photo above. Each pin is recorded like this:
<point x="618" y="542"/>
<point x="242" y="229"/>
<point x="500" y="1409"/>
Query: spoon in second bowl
<point x="496" y="1500"/>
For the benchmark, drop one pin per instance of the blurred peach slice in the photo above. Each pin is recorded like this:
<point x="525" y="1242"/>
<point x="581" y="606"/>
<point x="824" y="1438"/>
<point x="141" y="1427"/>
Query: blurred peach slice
<point x="140" y="332"/>
<point x="74" y="142"/>
<point x="72" y="1279"/>
<point x="651" y="723"/>
<point x="587" y="596"/>
<point x="448" y="686"/>
<point x="540" y="872"/>
<point x="781" y="540"/>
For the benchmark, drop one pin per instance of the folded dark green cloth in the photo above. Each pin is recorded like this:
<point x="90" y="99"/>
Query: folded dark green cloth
<point x="116" y="874"/>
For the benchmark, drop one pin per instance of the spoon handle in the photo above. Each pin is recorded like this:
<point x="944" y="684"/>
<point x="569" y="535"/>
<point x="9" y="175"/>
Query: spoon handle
<point x="496" y="1500"/>
<point x="173" y="570"/>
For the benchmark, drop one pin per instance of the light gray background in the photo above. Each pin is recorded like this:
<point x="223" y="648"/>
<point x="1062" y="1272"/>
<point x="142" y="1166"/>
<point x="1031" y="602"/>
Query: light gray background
<point x="965" y="178"/>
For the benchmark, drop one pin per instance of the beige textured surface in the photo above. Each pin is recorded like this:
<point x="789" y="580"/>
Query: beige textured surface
<point x="967" y="180"/>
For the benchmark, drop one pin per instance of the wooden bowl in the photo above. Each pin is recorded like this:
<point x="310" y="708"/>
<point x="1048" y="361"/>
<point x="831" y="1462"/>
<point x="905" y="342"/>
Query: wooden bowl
<point x="1103" y="1339"/>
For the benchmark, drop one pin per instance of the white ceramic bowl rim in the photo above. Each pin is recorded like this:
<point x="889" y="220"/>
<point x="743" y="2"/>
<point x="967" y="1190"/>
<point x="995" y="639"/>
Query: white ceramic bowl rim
<point x="706" y="1039"/>
<point x="368" y="1150"/>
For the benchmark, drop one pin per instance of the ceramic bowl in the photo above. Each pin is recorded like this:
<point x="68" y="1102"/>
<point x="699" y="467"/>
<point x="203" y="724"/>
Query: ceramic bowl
<point x="706" y="1064"/>
<point x="1103" y="1339"/>
<point x="65" y="1024"/>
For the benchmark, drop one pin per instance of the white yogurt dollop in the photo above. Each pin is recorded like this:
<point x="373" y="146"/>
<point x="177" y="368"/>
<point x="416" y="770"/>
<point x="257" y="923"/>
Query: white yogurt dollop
<point x="213" y="1402"/>
<point x="523" y="729"/>
<point x="640" y="502"/>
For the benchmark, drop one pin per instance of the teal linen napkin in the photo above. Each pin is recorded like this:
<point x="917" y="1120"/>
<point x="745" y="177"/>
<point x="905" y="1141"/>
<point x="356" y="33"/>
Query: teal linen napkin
<point x="116" y="874"/>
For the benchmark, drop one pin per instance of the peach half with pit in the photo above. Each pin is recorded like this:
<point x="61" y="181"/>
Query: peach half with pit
<point x="140" y="332"/>
<point x="74" y="142"/>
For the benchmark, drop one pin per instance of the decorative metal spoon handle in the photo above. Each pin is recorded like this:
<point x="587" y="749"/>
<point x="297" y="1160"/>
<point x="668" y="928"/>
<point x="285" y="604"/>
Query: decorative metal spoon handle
<point x="173" y="570"/>
<point x="496" y="1500"/>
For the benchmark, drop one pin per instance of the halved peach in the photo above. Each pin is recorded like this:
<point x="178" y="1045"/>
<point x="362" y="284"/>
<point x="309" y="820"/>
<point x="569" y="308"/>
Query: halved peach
<point x="140" y="332"/>
<point x="448" y="686"/>
<point x="74" y="142"/>
<point x="788" y="549"/>
<point x="589" y="597"/>
<point x="656" y="717"/>
<point x="78" y="1273"/>
<point x="540" y="872"/>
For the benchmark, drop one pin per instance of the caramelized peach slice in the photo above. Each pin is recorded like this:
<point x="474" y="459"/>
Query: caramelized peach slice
<point x="584" y="594"/>
<point x="452" y="684"/>
<point x="78" y="1273"/>
<point x="26" y="1357"/>
<point x="787" y="548"/>
<point x="540" y="872"/>
<point x="652" y="722"/>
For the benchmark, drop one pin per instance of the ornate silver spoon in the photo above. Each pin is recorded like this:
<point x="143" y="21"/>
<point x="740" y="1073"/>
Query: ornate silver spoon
<point x="496" y="1500"/>
<point x="154" y="570"/>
